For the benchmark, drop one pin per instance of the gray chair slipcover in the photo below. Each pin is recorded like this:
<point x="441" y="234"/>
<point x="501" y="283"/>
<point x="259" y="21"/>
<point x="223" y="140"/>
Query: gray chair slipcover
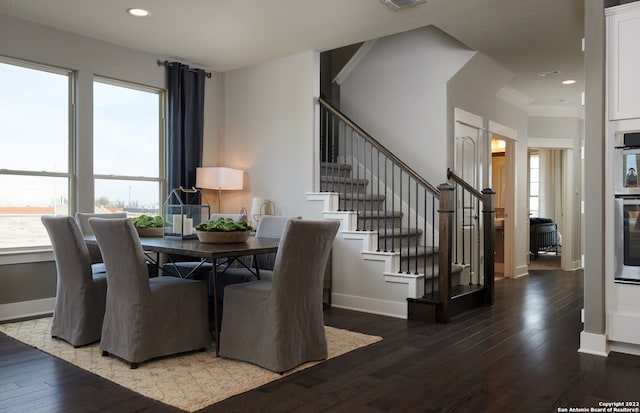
<point x="82" y="218"/>
<point x="270" y="226"/>
<point x="146" y="318"/>
<point x="279" y="324"/>
<point x="80" y="294"/>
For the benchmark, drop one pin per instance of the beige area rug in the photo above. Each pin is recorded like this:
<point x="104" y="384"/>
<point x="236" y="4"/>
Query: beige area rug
<point x="189" y="382"/>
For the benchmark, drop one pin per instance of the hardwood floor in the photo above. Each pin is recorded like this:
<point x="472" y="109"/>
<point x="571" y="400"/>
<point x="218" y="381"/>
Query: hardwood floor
<point x="519" y="355"/>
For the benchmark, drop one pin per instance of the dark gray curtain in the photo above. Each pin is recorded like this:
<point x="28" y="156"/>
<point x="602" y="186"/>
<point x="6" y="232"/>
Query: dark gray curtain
<point x="185" y="89"/>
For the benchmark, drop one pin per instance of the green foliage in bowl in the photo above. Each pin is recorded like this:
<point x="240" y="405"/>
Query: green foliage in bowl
<point x="147" y="221"/>
<point x="223" y="225"/>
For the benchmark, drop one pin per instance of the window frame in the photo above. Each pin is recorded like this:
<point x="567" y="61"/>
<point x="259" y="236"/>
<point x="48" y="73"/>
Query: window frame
<point x="13" y="255"/>
<point x="162" y="164"/>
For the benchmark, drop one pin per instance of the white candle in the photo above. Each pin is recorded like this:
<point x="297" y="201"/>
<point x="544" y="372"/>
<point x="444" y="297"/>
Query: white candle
<point x="188" y="226"/>
<point x="177" y="224"/>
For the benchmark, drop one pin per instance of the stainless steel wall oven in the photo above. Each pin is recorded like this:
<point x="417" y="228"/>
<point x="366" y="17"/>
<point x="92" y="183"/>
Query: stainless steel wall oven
<point x="626" y="164"/>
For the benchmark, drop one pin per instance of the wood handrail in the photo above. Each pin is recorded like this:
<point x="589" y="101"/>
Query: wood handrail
<point x="380" y="147"/>
<point x="455" y="178"/>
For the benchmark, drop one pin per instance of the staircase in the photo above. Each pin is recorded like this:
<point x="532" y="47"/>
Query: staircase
<point x="406" y="220"/>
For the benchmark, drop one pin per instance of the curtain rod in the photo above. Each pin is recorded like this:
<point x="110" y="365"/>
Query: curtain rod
<point x="167" y="63"/>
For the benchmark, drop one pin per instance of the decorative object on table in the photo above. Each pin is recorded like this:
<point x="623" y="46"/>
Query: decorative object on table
<point x="261" y="207"/>
<point x="184" y="209"/>
<point x="220" y="178"/>
<point x="223" y="231"/>
<point x="149" y="226"/>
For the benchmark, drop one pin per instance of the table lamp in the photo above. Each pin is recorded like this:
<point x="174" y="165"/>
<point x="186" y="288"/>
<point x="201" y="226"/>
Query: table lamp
<point x="220" y="178"/>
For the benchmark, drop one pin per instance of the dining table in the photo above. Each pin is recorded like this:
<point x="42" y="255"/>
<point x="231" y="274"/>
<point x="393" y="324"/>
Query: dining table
<point x="208" y="252"/>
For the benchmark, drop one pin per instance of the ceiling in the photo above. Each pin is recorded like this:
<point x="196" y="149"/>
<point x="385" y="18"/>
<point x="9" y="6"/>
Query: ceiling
<point x="524" y="36"/>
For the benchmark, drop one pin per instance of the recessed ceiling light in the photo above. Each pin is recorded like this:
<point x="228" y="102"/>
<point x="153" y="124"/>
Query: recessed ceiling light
<point x="546" y="73"/>
<point x="138" y="12"/>
<point x="568" y="82"/>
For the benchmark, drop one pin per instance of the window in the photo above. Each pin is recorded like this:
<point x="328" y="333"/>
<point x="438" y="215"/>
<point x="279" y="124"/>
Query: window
<point x="35" y="157"/>
<point x="127" y="148"/>
<point x="534" y="184"/>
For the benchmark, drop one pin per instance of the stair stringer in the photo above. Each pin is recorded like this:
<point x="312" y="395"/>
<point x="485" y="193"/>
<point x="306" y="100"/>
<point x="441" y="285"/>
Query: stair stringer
<point x="362" y="278"/>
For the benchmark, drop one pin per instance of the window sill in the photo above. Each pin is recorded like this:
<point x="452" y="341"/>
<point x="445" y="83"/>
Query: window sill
<point x="26" y="256"/>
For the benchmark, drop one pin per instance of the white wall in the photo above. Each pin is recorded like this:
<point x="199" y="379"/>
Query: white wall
<point x="398" y="94"/>
<point x="269" y="130"/>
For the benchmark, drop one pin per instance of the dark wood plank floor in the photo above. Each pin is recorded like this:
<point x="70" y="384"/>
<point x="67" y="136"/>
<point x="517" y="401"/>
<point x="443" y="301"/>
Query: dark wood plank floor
<point x="518" y="356"/>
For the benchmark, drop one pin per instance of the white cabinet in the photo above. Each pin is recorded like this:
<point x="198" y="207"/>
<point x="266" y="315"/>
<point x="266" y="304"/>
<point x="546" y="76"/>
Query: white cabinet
<point x="623" y="55"/>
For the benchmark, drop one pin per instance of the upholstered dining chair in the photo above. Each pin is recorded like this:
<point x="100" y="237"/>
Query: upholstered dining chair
<point x="278" y="324"/>
<point x="146" y="317"/>
<point x="82" y="218"/>
<point x="270" y="226"/>
<point x="80" y="293"/>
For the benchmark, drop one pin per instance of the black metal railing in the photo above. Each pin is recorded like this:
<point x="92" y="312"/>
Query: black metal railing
<point x="391" y="199"/>
<point x="473" y="238"/>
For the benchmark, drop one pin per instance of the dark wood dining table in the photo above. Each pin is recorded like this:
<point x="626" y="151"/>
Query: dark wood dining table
<point x="194" y="248"/>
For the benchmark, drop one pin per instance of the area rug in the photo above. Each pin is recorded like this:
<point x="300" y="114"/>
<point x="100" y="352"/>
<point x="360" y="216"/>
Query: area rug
<point x="189" y="382"/>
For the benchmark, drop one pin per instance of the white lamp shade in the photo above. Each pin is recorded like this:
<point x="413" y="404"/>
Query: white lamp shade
<point x="218" y="177"/>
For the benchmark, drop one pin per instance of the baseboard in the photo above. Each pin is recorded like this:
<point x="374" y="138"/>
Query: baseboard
<point x="25" y="309"/>
<point x="626" y="348"/>
<point x="370" y="305"/>
<point x="623" y="328"/>
<point x="595" y="344"/>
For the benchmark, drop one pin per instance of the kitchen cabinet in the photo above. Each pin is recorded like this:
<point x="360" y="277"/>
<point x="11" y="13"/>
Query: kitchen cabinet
<point x="623" y="55"/>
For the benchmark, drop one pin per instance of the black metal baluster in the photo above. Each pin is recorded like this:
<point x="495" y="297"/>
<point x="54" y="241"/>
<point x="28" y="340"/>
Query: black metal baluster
<point x="357" y="157"/>
<point x="433" y="243"/>
<point x="352" y="177"/>
<point x="364" y="187"/>
<point x="408" y="222"/>
<point x="386" y="185"/>
<point x="400" y="218"/>
<point x="417" y="231"/>
<point x="378" y="206"/>
<point x="393" y="203"/>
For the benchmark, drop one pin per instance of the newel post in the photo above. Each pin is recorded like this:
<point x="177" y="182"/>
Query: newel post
<point x="445" y="214"/>
<point x="488" y="217"/>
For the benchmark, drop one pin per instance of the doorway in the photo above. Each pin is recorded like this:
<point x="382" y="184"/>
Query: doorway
<point x="503" y="183"/>
<point x="552" y="190"/>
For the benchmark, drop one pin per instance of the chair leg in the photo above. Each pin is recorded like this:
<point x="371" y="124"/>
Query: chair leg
<point x="133" y="366"/>
<point x="105" y="353"/>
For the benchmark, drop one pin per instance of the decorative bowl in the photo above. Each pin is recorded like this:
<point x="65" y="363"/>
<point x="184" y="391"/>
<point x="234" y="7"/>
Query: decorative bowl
<point x="220" y="237"/>
<point x="150" y="232"/>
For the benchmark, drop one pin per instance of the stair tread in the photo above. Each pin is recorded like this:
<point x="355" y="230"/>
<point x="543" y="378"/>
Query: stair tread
<point x="375" y="213"/>
<point x="360" y="196"/>
<point x="393" y="232"/>
<point x="343" y="179"/>
<point x="333" y="165"/>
